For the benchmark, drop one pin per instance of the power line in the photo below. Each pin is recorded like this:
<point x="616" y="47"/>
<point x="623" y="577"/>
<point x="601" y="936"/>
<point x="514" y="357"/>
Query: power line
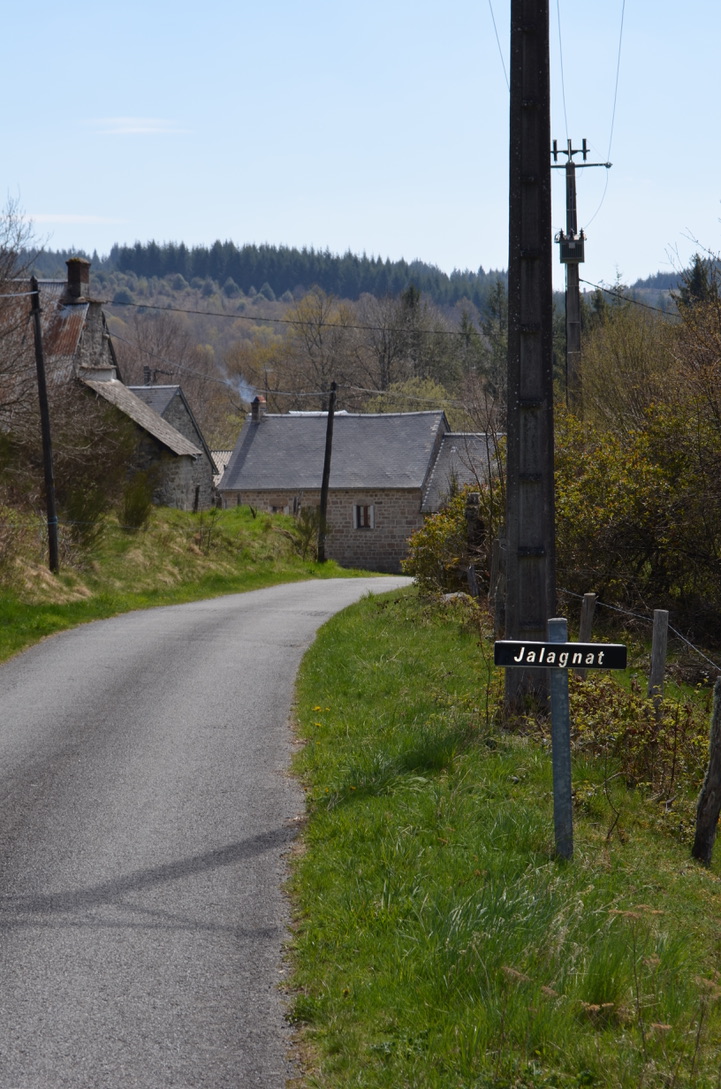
<point x="498" y="42"/>
<point x="228" y="382"/>
<point x="560" y="54"/>
<point x="401" y="395"/>
<point x="626" y="298"/>
<point x="283" y="321"/>
<point x="613" y="113"/>
<point x="618" y="73"/>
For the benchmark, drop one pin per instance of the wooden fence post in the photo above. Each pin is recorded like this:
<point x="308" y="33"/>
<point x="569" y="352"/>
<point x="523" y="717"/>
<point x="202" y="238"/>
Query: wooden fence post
<point x="709" y="801"/>
<point x="658" y="656"/>
<point x="588" y="607"/>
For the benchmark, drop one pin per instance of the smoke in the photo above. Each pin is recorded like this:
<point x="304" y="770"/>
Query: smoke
<point x="238" y="384"/>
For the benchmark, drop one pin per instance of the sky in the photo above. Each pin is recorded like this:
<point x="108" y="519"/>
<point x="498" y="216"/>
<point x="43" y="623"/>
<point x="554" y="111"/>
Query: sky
<point x="379" y="128"/>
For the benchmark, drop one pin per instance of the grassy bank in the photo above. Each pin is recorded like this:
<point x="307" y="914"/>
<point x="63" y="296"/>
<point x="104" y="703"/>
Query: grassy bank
<point x="177" y="557"/>
<point x="439" y="945"/>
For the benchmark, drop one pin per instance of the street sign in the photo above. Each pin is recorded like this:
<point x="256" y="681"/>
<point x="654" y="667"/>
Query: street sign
<point x="530" y="655"/>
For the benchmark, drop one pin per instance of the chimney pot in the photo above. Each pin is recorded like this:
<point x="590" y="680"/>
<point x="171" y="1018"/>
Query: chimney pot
<point x="78" y="276"/>
<point x="257" y="409"/>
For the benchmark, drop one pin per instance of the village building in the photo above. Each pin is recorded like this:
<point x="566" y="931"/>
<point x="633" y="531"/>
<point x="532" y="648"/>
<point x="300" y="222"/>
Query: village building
<point x="387" y="472"/>
<point x="78" y="347"/>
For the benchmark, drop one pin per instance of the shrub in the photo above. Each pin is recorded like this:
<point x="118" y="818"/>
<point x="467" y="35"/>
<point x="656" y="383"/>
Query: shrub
<point x="137" y="502"/>
<point x="305" y="532"/>
<point x="440" y="552"/>
<point x="85" y="505"/>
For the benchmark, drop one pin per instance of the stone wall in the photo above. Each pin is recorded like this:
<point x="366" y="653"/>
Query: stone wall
<point x="183" y="482"/>
<point x="178" y="417"/>
<point x="94" y="347"/>
<point x="394" y="514"/>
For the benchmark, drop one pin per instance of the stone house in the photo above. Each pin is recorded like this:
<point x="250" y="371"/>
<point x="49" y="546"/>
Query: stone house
<point x="78" y="347"/>
<point x="171" y="404"/>
<point x="387" y="472"/>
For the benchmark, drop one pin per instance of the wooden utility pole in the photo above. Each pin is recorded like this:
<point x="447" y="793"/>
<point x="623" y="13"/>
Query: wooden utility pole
<point x="325" y="482"/>
<point x="709" y="802"/>
<point x="530" y="579"/>
<point x="53" y="549"/>
<point x="572" y="255"/>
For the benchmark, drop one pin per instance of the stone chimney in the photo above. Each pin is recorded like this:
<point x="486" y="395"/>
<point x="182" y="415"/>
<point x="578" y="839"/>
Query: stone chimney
<point x="257" y="409"/>
<point x="78" y="277"/>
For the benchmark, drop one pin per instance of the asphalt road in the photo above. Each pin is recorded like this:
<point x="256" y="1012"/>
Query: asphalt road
<point x="145" y="815"/>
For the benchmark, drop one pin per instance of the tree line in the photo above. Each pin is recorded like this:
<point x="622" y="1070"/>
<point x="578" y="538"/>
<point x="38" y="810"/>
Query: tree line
<point x="284" y="269"/>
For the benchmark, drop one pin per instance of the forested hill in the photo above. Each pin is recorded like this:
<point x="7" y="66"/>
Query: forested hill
<point x="275" y="270"/>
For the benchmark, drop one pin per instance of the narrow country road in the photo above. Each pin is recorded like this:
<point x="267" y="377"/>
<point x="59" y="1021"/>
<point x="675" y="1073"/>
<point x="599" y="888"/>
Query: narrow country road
<point x="145" y="812"/>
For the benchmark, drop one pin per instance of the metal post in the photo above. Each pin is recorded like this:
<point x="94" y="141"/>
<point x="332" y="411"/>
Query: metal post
<point x="561" y="747"/>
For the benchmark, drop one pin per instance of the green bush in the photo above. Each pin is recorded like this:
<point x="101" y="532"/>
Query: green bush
<point x="638" y="521"/>
<point x="440" y="552"/>
<point x="137" y="502"/>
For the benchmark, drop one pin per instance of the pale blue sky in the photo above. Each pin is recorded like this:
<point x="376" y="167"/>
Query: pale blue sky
<point x="380" y="127"/>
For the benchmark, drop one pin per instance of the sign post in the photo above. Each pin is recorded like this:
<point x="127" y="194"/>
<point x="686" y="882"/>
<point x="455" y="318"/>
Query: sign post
<point x="561" y="748"/>
<point x="559" y="656"/>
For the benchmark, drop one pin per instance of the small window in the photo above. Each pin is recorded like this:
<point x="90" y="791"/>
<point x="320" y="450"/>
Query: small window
<point x="364" y="516"/>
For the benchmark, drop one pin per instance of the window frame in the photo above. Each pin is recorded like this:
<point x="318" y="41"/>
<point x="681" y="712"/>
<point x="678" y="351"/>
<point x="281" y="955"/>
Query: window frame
<point x="364" y="516"/>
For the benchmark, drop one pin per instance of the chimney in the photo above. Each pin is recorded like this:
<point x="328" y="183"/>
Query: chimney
<point x="78" y="277"/>
<point x="257" y="409"/>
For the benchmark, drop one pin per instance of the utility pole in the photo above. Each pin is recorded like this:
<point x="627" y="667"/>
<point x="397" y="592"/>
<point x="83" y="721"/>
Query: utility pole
<point x="530" y="579"/>
<point x="53" y="550"/>
<point x="323" y="511"/>
<point x="572" y="252"/>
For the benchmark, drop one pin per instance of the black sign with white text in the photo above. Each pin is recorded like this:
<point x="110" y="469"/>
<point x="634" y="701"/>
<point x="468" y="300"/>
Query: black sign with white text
<point x="511" y="652"/>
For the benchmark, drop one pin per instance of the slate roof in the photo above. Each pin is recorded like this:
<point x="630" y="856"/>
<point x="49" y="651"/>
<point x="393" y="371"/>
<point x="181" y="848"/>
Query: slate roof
<point x="462" y="459"/>
<point x="156" y="397"/>
<point x="124" y="399"/>
<point x="159" y="398"/>
<point x="286" y="452"/>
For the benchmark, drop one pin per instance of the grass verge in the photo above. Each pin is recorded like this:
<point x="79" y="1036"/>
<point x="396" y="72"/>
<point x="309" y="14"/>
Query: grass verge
<point x="177" y="557"/>
<point x="438" y="943"/>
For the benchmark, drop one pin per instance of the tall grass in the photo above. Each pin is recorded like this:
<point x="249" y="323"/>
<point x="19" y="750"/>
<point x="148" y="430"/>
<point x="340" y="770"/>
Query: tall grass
<point x="174" y="557"/>
<point x="438" y="942"/>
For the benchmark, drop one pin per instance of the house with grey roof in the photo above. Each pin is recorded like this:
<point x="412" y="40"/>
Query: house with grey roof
<point x="387" y="471"/>
<point x="78" y="348"/>
<point x="171" y="404"/>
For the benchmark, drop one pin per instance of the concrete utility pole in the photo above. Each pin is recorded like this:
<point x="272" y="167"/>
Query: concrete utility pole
<point x="530" y="578"/>
<point x="572" y="255"/>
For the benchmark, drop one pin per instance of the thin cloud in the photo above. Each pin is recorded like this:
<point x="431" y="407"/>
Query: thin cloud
<point x="69" y="218"/>
<point x="135" y="126"/>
